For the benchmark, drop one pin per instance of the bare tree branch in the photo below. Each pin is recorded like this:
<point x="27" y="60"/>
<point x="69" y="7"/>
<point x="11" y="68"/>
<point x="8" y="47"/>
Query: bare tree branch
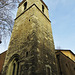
<point x="6" y="16"/>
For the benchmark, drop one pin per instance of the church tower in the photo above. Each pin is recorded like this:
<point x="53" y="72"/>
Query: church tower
<point x="31" y="48"/>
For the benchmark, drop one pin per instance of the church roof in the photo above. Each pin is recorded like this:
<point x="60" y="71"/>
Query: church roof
<point x="67" y="53"/>
<point x="65" y="50"/>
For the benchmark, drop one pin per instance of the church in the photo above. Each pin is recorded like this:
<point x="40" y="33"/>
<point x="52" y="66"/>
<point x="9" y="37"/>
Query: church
<point x="31" y="49"/>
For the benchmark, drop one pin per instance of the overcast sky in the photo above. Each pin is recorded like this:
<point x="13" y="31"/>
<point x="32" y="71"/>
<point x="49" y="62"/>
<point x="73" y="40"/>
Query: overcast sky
<point x="62" y="16"/>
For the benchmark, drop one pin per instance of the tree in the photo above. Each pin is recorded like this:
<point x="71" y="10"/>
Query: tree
<point x="7" y="16"/>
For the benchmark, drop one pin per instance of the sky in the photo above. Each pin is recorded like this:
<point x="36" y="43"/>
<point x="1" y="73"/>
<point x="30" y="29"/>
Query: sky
<point x="62" y="16"/>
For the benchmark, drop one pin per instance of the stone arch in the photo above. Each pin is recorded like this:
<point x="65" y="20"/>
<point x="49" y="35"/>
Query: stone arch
<point x="14" y="56"/>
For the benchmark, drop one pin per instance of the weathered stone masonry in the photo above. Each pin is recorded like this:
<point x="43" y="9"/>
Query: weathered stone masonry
<point x="31" y="42"/>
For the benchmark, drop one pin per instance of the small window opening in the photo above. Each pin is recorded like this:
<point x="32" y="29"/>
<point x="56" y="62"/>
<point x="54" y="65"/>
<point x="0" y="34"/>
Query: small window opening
<point x="13" y="69"/>
<point x="66" y="65"/>
<point x="74" y="68"/>
<point x="29" y="19"/>
<point x="25" y="5"/>
<point x="42" y="8"/>
<point x="61" y="73"/>
<point x="26" y="54"/>
<point x="57" y="57"/>
<point x="18" y="68"/>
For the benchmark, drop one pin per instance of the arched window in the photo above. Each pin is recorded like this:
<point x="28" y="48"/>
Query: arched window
<point x="25" y="5"/>
<point x="42" y="8"/>
<point x="26" y="54"/>
<point x="13" y="67"/>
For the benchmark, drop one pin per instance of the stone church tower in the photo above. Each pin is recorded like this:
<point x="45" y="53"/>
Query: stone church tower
<point x="31" y="48"/>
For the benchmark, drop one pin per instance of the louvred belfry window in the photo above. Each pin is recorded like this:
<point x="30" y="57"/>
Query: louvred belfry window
<point x="42" y="8"/>
<point x="25" y="5"/>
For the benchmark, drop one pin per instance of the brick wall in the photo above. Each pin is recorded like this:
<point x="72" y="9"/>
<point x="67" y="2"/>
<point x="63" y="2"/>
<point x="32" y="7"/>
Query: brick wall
<point x="2" y="58"/>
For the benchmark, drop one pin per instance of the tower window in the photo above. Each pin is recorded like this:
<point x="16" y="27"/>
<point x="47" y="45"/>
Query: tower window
<point x="74" y="68"/>
<point x="14" y="68"/>
<point x="66" y="65"/>
<point x="42" y="8"/>
<point x="26" y="54"/>
<point x="25" y="5"/>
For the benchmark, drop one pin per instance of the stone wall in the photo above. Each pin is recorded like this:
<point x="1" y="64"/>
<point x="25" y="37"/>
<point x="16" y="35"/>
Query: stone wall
<point x="32" y="40"/>
<point x="2" y="58"/>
